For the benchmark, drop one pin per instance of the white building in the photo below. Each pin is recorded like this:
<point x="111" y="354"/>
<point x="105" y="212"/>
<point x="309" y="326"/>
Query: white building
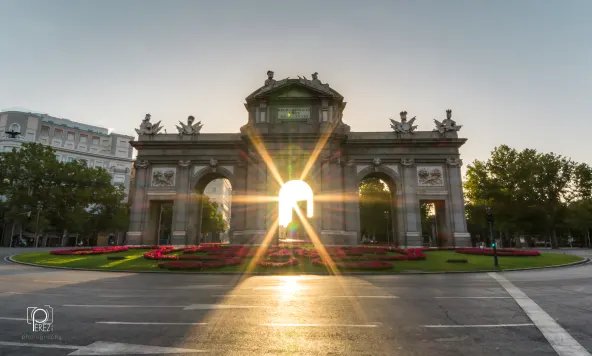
<point x="71" y="140"/>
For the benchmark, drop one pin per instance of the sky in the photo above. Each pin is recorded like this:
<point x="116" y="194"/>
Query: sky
<point x="512" y="72"/>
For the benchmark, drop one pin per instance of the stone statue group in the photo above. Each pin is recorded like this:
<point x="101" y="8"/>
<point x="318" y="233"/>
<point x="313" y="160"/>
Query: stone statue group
<point x="148" y="128"/>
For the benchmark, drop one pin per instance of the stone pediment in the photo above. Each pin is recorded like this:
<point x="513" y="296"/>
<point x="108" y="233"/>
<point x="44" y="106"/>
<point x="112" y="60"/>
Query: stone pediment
<point x="295" y="88"/>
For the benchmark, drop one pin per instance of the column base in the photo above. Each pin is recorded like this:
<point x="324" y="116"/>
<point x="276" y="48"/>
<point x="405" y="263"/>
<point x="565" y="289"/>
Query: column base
<point x="134" y="237"/>
<point x="179" y="238"/>
<point x="462" y="239"/>
<point x="413" y="239"/>
<point x="335" y="237"/>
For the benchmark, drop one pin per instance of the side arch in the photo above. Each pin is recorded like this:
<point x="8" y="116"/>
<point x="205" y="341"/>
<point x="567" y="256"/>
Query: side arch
<point x="398" y="211"/>
<point x="197" y="184"/>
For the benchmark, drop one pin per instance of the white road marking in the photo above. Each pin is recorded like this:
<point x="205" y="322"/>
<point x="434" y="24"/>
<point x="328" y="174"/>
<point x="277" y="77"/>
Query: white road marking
<point x="48" y="346"/>
<point x="563" y="343"/>
<point x="204" y="286"/>
<point x="16" y="319"/>
<point x="323" y="325"/>
<point x="281" y="288"/>
<point x="122" y="306"/>
<point x="106" y="348"/>
<point x="473" y="297"/>
<point x="29" y="293"/>
<point x="476" y="326"/>
<point x="221" y="306"/>
<point x="305" y="296"/>
<point x="144" y="323"/>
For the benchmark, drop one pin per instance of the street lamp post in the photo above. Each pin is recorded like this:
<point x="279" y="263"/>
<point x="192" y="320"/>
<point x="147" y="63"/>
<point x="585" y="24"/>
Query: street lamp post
<point x="386" y="217"/>
<point x="489" y="215"/>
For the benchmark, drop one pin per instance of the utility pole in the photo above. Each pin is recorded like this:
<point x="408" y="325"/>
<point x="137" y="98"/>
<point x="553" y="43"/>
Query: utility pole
<point x="37" y="227"/>
<point x="489" y="216"/>
<point x="386" y="217"/>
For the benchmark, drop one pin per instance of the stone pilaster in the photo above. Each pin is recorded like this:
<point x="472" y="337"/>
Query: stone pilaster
<point x="180" y="211"/>
<point x="459" y="228"/>
<point x="412" y="210"/>
<point x="352" y="203"/>
<point x="139" y="209"/>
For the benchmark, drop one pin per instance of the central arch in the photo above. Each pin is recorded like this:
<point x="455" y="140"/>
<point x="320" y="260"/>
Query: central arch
<point x="290" y="194"/>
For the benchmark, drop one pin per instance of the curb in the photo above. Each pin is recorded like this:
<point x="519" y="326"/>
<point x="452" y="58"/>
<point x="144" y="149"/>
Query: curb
<point x="573" y="264"/>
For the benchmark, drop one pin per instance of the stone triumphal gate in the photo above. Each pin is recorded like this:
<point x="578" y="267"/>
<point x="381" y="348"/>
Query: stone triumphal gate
<point x="288" y="120"/>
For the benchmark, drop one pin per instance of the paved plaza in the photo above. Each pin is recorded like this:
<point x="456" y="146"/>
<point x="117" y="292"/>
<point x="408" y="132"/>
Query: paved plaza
<point x="101" y="313"/>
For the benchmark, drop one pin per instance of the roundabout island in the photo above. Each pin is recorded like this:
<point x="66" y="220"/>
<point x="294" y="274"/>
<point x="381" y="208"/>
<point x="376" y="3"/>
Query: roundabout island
<point x="291" y="259"/>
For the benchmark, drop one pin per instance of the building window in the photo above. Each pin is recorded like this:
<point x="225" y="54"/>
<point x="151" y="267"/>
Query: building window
<point x="98" y="164"/>
<point x="70" y="136"/>
<point x="83" y="139"/>
<point x="45" y="131"/>
<point x="15" y="127"/>
<point x="119" y="179"/>
<point x="84" y="162"/>
<point x="95" y="140"/>
<point x="58" y="133"/>
<point x="59" y="158"/>
<point x="70" y="159"/>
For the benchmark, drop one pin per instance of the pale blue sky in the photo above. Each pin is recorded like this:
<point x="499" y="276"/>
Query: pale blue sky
<point x="516" y="72"/>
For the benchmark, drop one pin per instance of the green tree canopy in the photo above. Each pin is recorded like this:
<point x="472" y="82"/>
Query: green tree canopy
<point x="212" y="220"/>
<point x="528" y="191"/>
<point x="375" y="199"/>
<point x="68" y="196"/>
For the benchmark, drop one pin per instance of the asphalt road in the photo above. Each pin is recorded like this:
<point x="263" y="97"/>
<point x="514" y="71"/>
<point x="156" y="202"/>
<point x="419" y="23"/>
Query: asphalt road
<point x="100" y="313"/>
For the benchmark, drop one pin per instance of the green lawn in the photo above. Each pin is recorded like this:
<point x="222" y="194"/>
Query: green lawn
<point x="435" y="262"/>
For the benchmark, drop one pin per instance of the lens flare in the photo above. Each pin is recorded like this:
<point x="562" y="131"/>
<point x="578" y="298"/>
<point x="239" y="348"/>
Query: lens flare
<point x="291" y="193"/>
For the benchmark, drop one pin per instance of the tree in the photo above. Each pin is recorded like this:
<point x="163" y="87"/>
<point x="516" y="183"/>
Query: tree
<point x="69" y="197"/>
<point x="212" y="220"/>
<point x="528" y="191"/>
<point x="375" y="199"/>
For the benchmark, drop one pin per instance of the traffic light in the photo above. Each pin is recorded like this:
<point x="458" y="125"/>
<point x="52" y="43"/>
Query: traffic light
<point x="493" y="244"/>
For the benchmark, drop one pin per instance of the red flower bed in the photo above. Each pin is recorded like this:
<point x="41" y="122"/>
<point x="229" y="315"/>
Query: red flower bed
<point x="267" y="263"/>
<point x="90" y="250"/>
<point x="280" y="255"/>
<point x="500" y="252"/>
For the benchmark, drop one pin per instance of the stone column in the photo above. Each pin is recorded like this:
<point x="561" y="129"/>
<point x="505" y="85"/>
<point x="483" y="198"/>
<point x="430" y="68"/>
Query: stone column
<point x="252" y="189"/>
<point x="140" y="206"/>
<point x="459" y="228"/>
<point x="237" y="209"/>
<point x="325" y="190"/>
<point x="411" y="201"/>
<point x="179" y="233"/>
<point x="352" y="204"/>
<point x="261" y="190"/>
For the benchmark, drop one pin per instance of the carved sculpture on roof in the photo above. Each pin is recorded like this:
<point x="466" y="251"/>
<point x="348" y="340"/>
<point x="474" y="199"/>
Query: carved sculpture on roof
<point x="448" y="125"/>
<point x="269" y="81"/>
<point x="376" y="161"/>
<point x="403" y="126"/>
<point x="190" y="128"/>
<point x="147" y="128"/>
<point x="184" y="163"/>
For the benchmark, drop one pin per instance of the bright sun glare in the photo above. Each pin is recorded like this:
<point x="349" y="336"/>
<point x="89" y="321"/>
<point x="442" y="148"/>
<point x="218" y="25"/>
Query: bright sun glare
<point x="291" y="193"/>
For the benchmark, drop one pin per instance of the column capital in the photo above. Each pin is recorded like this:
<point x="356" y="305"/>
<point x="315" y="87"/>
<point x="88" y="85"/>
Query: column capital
<point x="184" y="164"/>
<point x="454" y="162"/>
<point x="141" y="164"/>
<point x="408" y="162"/>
